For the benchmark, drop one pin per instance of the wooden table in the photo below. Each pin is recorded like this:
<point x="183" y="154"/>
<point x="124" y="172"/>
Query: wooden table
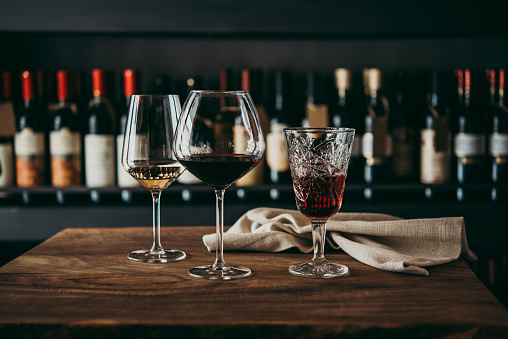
<point x="80" y="284"/>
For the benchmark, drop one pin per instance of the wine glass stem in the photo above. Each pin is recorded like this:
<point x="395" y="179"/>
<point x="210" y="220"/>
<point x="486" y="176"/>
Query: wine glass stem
<point x="156" y="247"/>
<point x="219" y="210"/>
<point x="318" y="240"/>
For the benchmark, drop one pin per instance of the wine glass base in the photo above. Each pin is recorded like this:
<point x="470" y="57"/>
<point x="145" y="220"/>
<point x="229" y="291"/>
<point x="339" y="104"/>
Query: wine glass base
<point x="156" y="258"/>
<point x="220" y="273"/>
<point x="318" y="270"/>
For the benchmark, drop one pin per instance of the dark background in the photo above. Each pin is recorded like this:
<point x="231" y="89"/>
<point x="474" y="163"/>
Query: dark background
<point x="180" y="39"/>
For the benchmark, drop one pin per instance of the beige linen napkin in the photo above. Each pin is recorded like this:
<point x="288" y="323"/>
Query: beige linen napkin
<point x="379" y="240"/>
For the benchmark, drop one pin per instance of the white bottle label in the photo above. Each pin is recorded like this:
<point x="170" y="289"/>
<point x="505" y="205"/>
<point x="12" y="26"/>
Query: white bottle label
<point x="65" y="151"/>
<point x="498" y="146"/>
<point x="434" y="166"/>
<point x="469" y="145"/>
<point x="29" y="150"/>
<point x="7" y="165"/>
<point x="28" y="143"/>
<point x="63" y="143"/>
<point x="276" y="150"/>
<point x="100" y="159"/>
<point x="124" y="178"/>
<point x="368" y="145"/>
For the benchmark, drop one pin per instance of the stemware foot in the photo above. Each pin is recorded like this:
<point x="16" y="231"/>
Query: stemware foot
<point x="220" y="273"/>
<point x="323" y="269"/>
<point x="156" y="258"/>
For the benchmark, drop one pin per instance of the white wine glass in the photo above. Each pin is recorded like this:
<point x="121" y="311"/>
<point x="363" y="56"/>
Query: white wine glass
<point x="219" y="140"/>
<point x="147" y="156"/>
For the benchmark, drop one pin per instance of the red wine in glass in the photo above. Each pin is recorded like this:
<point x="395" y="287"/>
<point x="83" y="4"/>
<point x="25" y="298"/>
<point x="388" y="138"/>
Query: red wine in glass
<point x="319" y="197"/>
<point x="219" y="152"/>
<point x="220" y="170"/>
<point x="319" y="159"/>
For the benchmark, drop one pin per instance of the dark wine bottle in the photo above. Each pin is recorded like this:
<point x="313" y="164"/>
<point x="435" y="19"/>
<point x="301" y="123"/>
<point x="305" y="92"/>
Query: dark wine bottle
<point x="130" y="78"/>
<point x="402" y="122"/>
<point x="185" y="87"/>
<point x="276" y="152"/>
<point x="252" y="81"/>
<point x="377" y="141"/>
<point x="469" y="142"/>
<point x="65" y="137"/>
<point x="7" y="130"/>
<point x="316" y="109"/>
<point x="498" y="139"/>
<point x="345" y="113"/>
<point x="29" y="145"/>
<point x="435" y="135"/>
<point x="100" y="164"/>
<point x="223" y="125"/>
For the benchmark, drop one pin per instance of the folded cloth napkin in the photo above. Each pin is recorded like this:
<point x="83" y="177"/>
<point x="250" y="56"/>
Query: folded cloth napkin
<point x="379" y="240"/>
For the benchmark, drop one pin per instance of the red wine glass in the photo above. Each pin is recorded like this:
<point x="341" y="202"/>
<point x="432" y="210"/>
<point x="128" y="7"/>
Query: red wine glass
<point x="147" y="156"/>
<point x="319" y="158"/>
<point x="219" y="140"/>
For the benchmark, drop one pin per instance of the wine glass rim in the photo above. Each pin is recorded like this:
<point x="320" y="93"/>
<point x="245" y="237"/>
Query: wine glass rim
<point x="218" y="92"/>
<point x="320" y="129"/>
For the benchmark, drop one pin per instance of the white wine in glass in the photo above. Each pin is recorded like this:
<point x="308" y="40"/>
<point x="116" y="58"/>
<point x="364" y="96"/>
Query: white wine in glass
<point x="148" y="157"/>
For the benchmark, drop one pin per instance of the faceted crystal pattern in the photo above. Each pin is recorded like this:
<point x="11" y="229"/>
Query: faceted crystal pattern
<point x="321" y="156"/>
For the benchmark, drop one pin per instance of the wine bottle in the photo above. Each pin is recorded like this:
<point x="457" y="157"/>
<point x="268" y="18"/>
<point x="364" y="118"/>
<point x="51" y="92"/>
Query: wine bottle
<point x="129" y="88"/>
<point x="7" y="130"/>
<point x="252" y="82"/>
<point x="276" y="152"/>
<point x="223" y="125"/>
<point x="469" y="142"/>
<point x="316" y="109"/>
<point x="377" y="141"/>
<point x="187" y="178"/>
<point x="498" y="138"/>
<point x="65" y="137"/>
<point x="29" y="139"/>
<point x="345" y="113"/>
<point x="403" y="130"/>
<point x="99" y="139"/>
<point x="435" y="135"/>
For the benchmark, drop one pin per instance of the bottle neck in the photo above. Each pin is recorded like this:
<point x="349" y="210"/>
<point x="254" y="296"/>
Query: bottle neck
<point x="343" y="97"/>
<point x="372" y="96"/>
<point x="433" y="99"/>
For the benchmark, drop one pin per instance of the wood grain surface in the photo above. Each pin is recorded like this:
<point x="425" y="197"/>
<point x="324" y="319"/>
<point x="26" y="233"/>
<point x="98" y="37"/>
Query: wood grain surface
<point x="80" y="284"/>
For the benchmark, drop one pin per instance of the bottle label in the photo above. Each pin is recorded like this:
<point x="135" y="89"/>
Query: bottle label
<point x="403" y="144"/>
<point x="356" y="150"/>
<point x="29" y="150"/>
<point x="100" y="158"/>
<point x="8" y="125"/>
<point x="498" y="145"/>
<point x="6" y="165"/>
<point x="241" y="140"/>
<point x="469" y="145"/>
<point x="276" y="150"/>
<point x="123" y="177"/>
<point x="434" y="165"/>
<point x="368" y="146"/>
<point x="317" y="115"/>
<point x="65" y="151"/>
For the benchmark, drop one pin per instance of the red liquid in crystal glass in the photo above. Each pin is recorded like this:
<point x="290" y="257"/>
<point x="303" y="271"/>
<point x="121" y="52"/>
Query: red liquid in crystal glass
<point x="322" y="195"/>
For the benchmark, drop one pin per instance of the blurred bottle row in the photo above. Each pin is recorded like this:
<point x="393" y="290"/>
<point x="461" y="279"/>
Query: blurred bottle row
<point x="429" y="126"/>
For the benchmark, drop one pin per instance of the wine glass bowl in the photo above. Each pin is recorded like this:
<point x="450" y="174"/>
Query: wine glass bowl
<point x="318" y="159"/>
<point x="147" y="156"/>
<point x="219" y="140"/>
